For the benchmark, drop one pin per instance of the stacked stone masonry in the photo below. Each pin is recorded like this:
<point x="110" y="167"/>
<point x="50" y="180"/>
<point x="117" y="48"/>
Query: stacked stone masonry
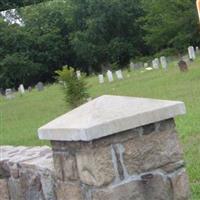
<point x="144" y="163"/>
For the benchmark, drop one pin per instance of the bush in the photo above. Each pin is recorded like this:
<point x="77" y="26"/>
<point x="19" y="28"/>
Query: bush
<point x="75" y="89"/>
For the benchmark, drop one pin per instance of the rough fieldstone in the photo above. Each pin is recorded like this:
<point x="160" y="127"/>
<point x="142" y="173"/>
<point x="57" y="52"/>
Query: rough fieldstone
<point x="151" y="151"/>
<point x="15" y="189"/>
<point x="4" y="189"/>
<point x="156" y="187"/>
<point x="180" y="184"/>
<point x="68" y="191"/>
<point x="125" y="191"/>
<point x="65" y="166"/>
<point x="95" y="166"/>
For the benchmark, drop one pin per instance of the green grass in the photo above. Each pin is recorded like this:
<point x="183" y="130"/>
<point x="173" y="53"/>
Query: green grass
<point x="21" y="117"/>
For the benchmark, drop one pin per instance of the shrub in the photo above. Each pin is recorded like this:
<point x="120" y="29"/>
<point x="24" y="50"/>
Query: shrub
<point x="75" y="89"/>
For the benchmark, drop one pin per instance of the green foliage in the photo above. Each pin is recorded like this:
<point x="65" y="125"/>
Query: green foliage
<point x="75" y="89"/>
<point x="170" y="24"/>
<point x="92" y="34"/>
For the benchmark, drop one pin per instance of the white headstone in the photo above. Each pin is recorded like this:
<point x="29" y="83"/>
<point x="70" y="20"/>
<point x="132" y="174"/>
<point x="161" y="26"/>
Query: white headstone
<point x="146" y="65"/>
<point x="156" y="63"/>
<point x="21" y="89"/>
<point x="191" y="53"/>
<point x="78" y="74"/>
<point x="197" y="49"/>
<point x="101" y="79"/>
<point x="9" y="94"/>
<point x="132" y="66"/>
<point x="119" y="75"/>
<point x="110" y="76"/>
<point x="163" y="62"/>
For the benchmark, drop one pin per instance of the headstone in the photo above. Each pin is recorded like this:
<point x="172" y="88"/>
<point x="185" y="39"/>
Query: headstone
<point x="191" y="53"/>
<point x="197" y="49"/>
<point x="183" y="66"/>
<point x="78" y="74"/>
<point x="146" y="65"/>
<point x="156" y="63"/>
<point x="29" y="88"/>
<point x="101" y="79"/>
<point x="40" y="86"/>
<point x="119" y="75"/>
<point x="21" y="89"/>
<point x="9" y="94"/>
<point x="110" y="76"/>
<point x="132" y="66"/>
<point x="163" y="62"/>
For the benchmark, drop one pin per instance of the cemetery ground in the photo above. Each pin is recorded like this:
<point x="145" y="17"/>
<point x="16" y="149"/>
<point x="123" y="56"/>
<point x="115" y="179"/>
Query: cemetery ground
<point x="21" y="117"/>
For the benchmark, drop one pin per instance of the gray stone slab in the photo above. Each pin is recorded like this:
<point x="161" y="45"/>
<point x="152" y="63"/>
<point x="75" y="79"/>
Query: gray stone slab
<point x="108" y="115"/>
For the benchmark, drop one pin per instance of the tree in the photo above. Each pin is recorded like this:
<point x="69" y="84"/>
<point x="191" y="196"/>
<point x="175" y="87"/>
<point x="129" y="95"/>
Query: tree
<point x="170" y="24"/>
<point x="107" y="31"/>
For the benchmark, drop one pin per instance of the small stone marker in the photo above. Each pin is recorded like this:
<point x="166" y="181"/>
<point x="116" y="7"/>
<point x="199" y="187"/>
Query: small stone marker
<point x="40" y="86"/>
<point x="197" y="49"/>
<point x="124" y="147"/>
<point x="146" y="65"/>
<point x="132" y="66"/>
<point x="156" y="63"/>
<point x="21" y="89"/>
<point x="78" y="74"/>
<point x="110" y="76"/>
<point x="29" y="88"/>
<point x="191" y="53"/>
<point x="183" y="66"/>
<point x="9" y="94"/>
<point x="163" y="62"/>
<point x="119" y="75"/>
<point x="101" y="79"/>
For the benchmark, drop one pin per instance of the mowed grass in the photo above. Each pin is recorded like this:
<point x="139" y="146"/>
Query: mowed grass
<point x="21" y="117"/>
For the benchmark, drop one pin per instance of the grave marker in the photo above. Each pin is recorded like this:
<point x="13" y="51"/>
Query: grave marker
<point x="21" y="89"/>
<point x="40" y="86"/>
<point x="110" y="76"/>
<point x="101" y="79"/>
<point x="119" y="75"/>
<point x="163" y="62"/>
<point x="191" y="53"/>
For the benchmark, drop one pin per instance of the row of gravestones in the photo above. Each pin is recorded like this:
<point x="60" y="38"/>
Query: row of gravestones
<point x="10" y="93"/>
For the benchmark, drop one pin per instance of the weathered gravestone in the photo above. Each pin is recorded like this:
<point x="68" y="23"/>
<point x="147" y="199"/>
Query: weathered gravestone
<point x="197" y="49"/>
<point x="101" y="79"/>
<point x="183" y="66"/>
<point x="29" y="88"/>
<point x="110" y="76"/>
<point x="119" y="75"/>
<point x="78" y="74"/>
<point x="191" y="53"/>
<point x="9" y="94"/>
<point x="156" y="63"/>
<point x="163" y="62"/>
<point x="118" y="148"/>
<point x="40" y="86"/>
<point x="132" y="66"/>
<point x="21" y="89"/>
<point x="146" y="65"/>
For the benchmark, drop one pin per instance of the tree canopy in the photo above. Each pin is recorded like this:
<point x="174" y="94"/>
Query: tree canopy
<point x="91" y="35"/>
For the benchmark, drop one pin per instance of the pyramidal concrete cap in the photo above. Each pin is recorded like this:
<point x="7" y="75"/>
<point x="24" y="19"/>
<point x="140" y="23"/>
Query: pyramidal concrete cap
<point x="107" y="115"/>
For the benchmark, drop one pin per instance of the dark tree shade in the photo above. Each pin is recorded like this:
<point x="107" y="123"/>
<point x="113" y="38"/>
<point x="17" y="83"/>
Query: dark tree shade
<point x="10" y="4"/>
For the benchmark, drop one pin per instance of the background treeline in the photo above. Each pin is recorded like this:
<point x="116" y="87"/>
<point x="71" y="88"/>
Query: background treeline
<point x="91" y="35"/>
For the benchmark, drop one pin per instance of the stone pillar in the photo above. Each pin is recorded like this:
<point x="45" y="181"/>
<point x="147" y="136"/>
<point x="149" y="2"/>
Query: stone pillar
<point x="115" y="148"/>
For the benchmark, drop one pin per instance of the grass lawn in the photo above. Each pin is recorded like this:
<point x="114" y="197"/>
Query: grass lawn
<point x="21" y="117"/>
